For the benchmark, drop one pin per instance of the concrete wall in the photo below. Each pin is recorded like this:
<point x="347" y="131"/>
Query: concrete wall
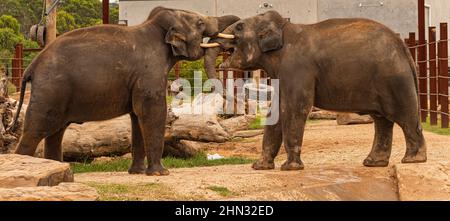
<point x="399" y="15"/>
<point x="135" y="12"/>
<point x="439" y="12"/>
<point x="305" y="11"/>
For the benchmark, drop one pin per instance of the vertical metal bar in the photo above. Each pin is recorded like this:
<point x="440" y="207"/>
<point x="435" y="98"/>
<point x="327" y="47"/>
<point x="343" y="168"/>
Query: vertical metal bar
<point x="412" y="44"/>
<point x="20" y="65"/>
<point x="443" y="74"/>
<point x="421" y="60"/>
<point x="17" y="66"/>
<point x="105" y="11"/>
<point x="177" y="70"/>
<point x="433" y="77"/>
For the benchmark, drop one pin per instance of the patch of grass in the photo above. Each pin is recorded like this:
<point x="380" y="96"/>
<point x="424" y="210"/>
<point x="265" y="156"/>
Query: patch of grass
<point x="133" y="192"/>
<point x="121" y="164"/>
<point x="435" y="128"/>
<point x="257" y="123"/>
<point x="221" y="190"/>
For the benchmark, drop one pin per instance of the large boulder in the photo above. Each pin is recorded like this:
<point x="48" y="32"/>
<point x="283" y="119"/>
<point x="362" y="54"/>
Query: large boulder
<point x="62" y="192"/>
<point x="25" y="171"/>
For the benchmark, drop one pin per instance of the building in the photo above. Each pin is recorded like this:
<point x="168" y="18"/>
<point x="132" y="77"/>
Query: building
<point x="400" y="15"/>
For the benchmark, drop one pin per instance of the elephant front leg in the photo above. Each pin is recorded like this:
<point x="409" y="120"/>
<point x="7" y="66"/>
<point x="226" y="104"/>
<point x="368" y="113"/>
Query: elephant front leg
<point x="137" y="147"/>
<point x="271" y="146"/>
<point x="151" y="112"/>
<point x="294" y="114"/>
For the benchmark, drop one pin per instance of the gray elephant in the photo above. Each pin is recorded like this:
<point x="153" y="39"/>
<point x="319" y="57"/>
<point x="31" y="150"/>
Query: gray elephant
<point x="102" y="72"/>
<point x="348" y="65"/>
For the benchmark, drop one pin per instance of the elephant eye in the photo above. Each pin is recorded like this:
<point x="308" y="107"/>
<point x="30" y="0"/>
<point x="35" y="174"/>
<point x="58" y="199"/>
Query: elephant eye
<point x="240" y="26"/>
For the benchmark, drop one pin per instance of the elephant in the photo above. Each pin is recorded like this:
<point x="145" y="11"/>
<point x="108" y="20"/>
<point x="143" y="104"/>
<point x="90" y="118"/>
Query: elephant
<point x="101" y="72"/>
<point x="343" y="65"/>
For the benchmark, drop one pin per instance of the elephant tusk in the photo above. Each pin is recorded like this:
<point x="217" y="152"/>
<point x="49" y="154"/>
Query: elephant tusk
<point x="226" y="36"/>
<point x="209" y="45"/>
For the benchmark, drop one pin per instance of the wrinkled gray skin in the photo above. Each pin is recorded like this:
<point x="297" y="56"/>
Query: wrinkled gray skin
<point x="348" y="65"/>
<point x="102" y="72"/>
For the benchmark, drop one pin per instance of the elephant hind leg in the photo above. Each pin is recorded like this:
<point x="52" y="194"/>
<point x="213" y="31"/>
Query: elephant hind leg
<point x="28" y="143"/>
<point x="416" y="150"/>
<point x="39" y="123"/>
<point x="53" y="145"/>
<point x="382" y="143"/>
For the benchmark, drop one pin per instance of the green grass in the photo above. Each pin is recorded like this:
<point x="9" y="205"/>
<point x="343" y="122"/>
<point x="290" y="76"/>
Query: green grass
<point x="257" y="123"/>
<point x="436" y="128"/>
<point x="221" y="190"/>
<point x="121" y="164"/>
<point x="133" y="192"/>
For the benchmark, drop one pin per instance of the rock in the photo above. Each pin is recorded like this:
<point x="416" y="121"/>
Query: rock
<point x="248" y="133"/>
<point x="198" y="128"/>
<point x="234" y="124"/>
<point x="352" y="118"/>
<point x="25" y="171"/>
<point x="322" y="115"/>
<point x="62" y="192"/>
<point x="423" y="181"/>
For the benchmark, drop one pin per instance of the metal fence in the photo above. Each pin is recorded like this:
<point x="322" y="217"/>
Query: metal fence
<point x="431" y="58"/>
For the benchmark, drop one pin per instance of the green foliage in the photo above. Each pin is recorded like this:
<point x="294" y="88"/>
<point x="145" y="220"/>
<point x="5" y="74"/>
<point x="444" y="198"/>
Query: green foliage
<point x="121" y="164"/>
<point x="257" y="123"/>
<point x="7" y="21"/>
<point x="65" y="22"/>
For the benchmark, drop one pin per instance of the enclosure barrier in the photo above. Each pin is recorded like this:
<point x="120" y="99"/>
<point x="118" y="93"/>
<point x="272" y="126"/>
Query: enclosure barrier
<point x="431" y="57"/>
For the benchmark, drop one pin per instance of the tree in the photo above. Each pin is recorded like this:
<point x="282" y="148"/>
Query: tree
<point x="65" y="22"/>
<point x="7" y="21"/>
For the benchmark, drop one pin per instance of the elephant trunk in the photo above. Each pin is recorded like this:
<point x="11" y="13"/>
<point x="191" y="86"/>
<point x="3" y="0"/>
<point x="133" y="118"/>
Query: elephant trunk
<point x="210" y="61"/>
<point x="216" y="45"/>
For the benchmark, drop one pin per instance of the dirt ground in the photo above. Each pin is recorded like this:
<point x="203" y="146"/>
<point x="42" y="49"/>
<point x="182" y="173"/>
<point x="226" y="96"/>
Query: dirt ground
<point x="332" y="156"/>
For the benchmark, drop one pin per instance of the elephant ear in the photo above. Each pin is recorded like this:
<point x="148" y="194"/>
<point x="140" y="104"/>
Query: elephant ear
<point x="178" y="43"/>
<point x="270" y="39"/>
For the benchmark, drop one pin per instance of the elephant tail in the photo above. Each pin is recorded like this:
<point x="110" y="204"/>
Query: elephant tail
<point x="412" y="65"/>
<point x="25" y="79"/>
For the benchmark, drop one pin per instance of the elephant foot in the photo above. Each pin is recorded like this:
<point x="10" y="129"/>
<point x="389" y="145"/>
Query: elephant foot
<point x="263" y="165"/>
<point x="370" y="162"/>
<point x="292" y="166"/>
<point x="136" y="169"/>
<point x="158" y="170"/>
<point x="420" y="157"/>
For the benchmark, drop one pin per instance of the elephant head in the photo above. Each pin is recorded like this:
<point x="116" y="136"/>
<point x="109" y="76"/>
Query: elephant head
<point x="185" y="30"/>
<point x="250" y="41"/>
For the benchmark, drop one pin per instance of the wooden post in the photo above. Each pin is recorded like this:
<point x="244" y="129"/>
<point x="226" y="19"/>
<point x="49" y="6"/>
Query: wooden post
<point x="17" y="69"/>
<point x="50" y="33"/>
<point x="105" y="10"/>
<point x="421" y="60"/>
<point x="443" y="74"/>
<point x="433" y="76"/>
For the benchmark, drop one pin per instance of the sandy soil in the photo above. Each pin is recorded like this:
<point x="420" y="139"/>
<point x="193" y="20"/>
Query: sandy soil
<point x="332" y="156"/>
